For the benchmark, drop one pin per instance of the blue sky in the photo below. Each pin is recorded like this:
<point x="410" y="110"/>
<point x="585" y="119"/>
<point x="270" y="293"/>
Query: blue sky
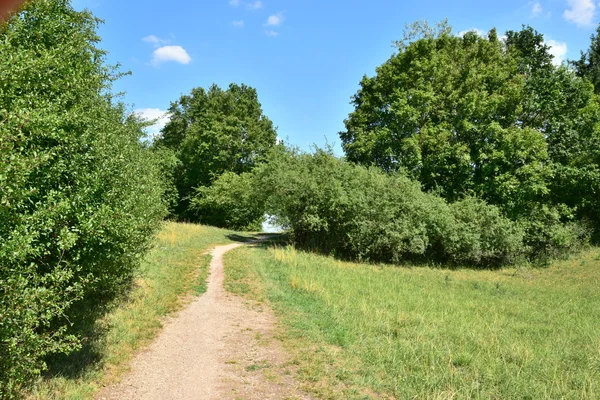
<point x="305" y="58"/>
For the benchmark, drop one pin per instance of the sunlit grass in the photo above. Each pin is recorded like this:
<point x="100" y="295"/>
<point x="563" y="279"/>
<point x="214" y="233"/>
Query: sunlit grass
<point x="367" y="331"/>
<point x="177" y="266"/>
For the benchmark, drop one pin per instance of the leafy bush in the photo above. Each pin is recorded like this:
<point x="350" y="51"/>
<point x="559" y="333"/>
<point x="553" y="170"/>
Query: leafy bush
<point x="364" y="213"/>
<point x="481" y="235"/>
<point x="229" y="203"/>
<point x="548" y="237"/>
<point x="169" y="163"/>
<point x="80" y="196"/>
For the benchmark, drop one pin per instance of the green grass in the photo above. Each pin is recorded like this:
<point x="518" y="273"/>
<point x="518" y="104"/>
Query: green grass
<point x="174" y="269"/>
<point x="366" y="331"/>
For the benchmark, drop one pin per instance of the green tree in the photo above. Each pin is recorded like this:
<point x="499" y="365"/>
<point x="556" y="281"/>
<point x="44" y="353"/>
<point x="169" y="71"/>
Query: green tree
<point x="80" y="195"/>
<point x="588" y="65"/>
<point x="527" y="46"/>
<point x="212" y="132"/>
<point x="477" y="116"/>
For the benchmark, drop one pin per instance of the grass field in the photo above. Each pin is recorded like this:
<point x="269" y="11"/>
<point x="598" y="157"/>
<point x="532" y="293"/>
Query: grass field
<point x="177" y="266"/>
<point x="365" y="331"/>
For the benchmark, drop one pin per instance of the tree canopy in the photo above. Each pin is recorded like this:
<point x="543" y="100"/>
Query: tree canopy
<point x="588" y="65"/>
<point x="212" y="132"/>
<point x="480" y="116"/>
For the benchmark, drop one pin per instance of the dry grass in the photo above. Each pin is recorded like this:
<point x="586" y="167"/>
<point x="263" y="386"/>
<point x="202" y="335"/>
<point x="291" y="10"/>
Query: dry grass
<point x="174" y="269"/>
<point x="372" y="331"/>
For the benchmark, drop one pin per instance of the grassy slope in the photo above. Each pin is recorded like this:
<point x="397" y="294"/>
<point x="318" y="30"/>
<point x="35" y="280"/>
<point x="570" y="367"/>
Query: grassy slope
<point x="175" y="267"/>
<point x="361" y="331"/>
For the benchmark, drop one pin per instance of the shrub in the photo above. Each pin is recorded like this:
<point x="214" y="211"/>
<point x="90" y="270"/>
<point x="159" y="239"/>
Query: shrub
<point x="548" y="237"/>
<point x="363" y="213"/>
<point x="481" y="235"/>
<point x="229" y="203"/>
<point x="80" y="196"/>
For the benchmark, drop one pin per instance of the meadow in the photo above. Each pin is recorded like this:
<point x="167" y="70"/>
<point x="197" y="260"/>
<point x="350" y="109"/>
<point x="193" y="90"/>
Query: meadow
<point x="376" y="331"/>
<point x="172" y="273"/>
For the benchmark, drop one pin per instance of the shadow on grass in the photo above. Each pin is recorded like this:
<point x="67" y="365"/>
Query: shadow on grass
<point x="243" y="238"/>
<point x="432" y="259"/>
<point x="258" y="237"/>
<point x="86" y="325"/>
<point x="75" y="365"/>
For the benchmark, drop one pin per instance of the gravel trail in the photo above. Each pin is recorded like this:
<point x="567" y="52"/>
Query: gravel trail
<point x="218" y="347"/>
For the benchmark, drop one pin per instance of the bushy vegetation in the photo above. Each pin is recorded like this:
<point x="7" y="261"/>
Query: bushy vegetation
<point x="212" y="132"/>
<point x="80" y="195"/>
<point x="485" y="117"/>
<point x="231" y="202"/>
<point x="363" y="213"/>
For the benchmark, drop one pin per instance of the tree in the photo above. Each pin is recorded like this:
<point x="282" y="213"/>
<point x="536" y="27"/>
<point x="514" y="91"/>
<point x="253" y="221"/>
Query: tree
<point x="588" y="65"/>
<point x="215" y="131"/>
<point x="80" y="195"/>
<point x="473" y="115"/>
<point x="527" y="46"/>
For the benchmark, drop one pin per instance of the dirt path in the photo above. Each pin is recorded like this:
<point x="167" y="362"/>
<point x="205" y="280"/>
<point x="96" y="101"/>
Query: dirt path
<point x="216" y="348"/>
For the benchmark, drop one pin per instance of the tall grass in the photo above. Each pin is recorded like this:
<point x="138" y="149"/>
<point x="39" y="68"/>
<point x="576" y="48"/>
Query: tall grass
<point x="371" y="331"/>
<point x="177" y="266"/>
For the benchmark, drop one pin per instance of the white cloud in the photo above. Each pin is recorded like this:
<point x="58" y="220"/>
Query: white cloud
<point x="275" y="20"/>
<point x="250" y="5"/>
<point x="171" y="53"/>
<point x="151" y="39"/>
<point x="271" y="33"/>
<point x="149" y="114"/>
<point x="155" y="40"/>
<point x="558" y="50"/>
<point x="581" y="12"/>
<point x="536" y="8"/>
<point x="254" y="5"/>
<point x="238" y="24"/>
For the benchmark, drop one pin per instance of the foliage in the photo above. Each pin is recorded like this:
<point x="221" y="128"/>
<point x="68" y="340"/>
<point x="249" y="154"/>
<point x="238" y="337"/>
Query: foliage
<point x="230" y="202"/>
<point x="549" y="237"/>
<point x="80" y="196"/>
<point x="480" y="234"/>
<point x="215" y="131"/>
<point x="588" y="65"/>
<point x="477" y="116"/>
<point x="168" y="165"/>
<point x="363" y="213"/>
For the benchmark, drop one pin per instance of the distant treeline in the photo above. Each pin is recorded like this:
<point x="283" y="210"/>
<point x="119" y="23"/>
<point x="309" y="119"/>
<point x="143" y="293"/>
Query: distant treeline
<point x="473" y="150"/>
